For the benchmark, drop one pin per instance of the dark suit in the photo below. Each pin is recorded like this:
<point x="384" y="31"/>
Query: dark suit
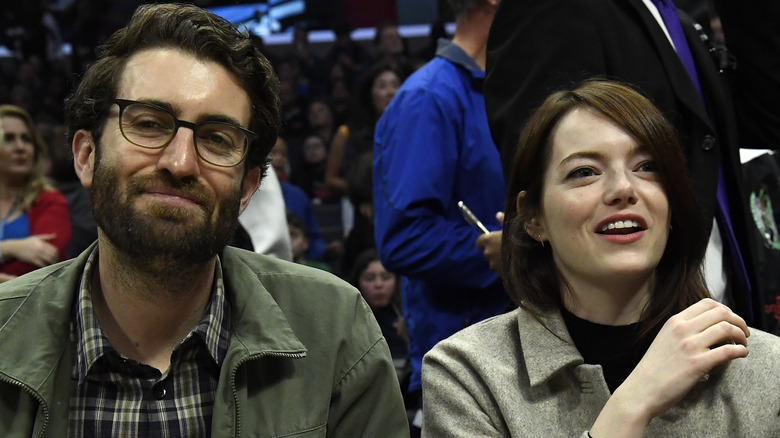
<point x="536" y="47"/>
<point x="752" y="31"/>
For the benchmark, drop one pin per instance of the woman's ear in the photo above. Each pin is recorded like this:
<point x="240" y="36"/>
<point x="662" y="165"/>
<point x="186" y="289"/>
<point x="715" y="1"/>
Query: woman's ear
<point x="84" y="157"/>
<point x="533" y="226"/>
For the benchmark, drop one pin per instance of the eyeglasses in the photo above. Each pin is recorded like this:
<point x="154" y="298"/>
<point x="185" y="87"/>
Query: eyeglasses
<point x="150" y="126"/>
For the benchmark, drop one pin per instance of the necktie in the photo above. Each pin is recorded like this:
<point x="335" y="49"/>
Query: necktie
<point x="672" y="22"/>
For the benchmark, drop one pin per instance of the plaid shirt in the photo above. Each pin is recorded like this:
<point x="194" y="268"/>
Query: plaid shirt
<point x="114" y="396"/>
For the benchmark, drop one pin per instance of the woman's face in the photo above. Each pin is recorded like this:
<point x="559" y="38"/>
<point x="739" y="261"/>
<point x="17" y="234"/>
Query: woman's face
<point x="17" y="152"/>
<point x="377" y="285"/>
<point x="603" y="208"/>
<point x="319" y="115"/>
<point x="314" y="150"/>
<point x="383" y="89"/>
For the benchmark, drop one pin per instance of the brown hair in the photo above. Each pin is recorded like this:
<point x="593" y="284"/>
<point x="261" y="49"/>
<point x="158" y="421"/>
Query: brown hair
<point x="36" y="181"/>
<point x="531" y="277"/>
<point x="195" y="31"/>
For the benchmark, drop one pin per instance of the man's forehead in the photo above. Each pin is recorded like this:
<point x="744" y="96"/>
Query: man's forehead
<point x="188" y="84"/>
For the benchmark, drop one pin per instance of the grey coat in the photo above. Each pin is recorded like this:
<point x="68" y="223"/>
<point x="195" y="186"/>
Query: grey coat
<point x="509" y="376"/>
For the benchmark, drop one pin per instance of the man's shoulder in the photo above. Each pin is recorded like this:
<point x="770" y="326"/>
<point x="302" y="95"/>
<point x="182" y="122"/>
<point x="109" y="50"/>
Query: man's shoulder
<point x="287" y="282"/>
<point x="45" y="288"/>
<point x="437" y="74"/>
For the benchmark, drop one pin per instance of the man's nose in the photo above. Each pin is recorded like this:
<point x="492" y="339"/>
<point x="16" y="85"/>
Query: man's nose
<point x="179" y="156"/>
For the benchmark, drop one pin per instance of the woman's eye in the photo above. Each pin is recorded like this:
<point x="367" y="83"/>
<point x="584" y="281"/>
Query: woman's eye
<point x="581" y="172"/>
<point x="648" y="166"/>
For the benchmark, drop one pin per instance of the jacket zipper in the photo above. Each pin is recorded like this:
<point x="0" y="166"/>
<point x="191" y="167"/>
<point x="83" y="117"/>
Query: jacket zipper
<point x="233" y="378"/>
<point x="35" y="396"/>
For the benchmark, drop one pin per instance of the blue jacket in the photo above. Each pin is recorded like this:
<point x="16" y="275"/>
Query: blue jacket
<point x="432" y="148"/>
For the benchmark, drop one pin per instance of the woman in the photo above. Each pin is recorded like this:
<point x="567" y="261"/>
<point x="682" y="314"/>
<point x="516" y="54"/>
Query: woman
<point x="382" y="291"/>
<point x="615" y="334"/>
<point x="35" y="225"/>
<point x="375" y="90"/>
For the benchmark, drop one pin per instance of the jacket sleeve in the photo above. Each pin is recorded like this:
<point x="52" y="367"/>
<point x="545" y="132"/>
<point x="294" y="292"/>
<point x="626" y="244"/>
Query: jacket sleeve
<point x="49" y="215"/>
<point x="535" y="48"/>
<point x="418" y="231"/>
<point x="367" y="400"/>
<point x="455" y="402"/>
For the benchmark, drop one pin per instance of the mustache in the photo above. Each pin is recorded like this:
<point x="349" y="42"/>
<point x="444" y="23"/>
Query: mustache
<point x="165" y="182"/>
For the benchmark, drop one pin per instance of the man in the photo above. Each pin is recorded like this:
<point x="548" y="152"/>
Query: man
<point x="433" y="149"/>
<point x="159" y="329"/>
<point x="537" y="47"/>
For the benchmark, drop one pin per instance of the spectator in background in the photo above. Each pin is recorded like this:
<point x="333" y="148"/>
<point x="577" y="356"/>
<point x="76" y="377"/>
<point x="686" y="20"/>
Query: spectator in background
<point x="359" y="190"/>
<point x="310" y="175"/>
<point x="298" y="203"/>
<point x="347" y="53"/>
<point x="320" y="119"/>
<point x="390" y="48"/>
<point x="433" y="149"/>
<point x="300" y="239"/>
<point x="382" y="291"/>
<point x="35" y="226"/>
<point x="340" y="97"/>
<point x="311" y="68"/>
<point x="374" y="92"/>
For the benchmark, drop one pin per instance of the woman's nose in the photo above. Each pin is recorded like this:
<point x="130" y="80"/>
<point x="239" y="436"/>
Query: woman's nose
<point x="620" y="188"/>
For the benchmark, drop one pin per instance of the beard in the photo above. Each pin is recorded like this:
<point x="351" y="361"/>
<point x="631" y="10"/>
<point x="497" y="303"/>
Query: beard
<point x="163" y="240"/>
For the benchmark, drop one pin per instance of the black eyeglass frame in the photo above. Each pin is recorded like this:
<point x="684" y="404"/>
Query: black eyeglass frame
<point x="177" y="123"/>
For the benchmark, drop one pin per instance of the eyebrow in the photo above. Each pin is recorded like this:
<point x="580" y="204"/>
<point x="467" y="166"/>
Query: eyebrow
<point x="596" y="155"/>
<point x="176" y="110"/>
<point x="593" y="155"/>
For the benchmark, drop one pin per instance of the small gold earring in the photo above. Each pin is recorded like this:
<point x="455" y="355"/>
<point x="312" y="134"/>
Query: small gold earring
<point x="539" y="238"/>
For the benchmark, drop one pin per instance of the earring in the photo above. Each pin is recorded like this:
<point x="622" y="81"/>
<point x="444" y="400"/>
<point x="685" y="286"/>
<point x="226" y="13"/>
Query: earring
<point x="539" y="238"/>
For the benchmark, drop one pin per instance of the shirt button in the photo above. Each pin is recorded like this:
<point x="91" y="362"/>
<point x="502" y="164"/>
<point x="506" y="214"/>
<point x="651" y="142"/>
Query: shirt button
<point x="159" y="392"/>
<point x="708" y="143"/>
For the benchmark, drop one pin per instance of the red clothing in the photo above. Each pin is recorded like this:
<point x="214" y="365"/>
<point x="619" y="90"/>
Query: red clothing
<point x="48" y="215"/>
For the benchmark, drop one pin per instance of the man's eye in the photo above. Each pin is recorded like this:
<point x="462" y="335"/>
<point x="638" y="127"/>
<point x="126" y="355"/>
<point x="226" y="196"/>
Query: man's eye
<point x="148" y="123"/>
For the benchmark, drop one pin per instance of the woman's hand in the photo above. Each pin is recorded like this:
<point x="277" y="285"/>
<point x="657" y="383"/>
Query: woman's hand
<point x="35" y="250"/>
<point x="690" y="344"/>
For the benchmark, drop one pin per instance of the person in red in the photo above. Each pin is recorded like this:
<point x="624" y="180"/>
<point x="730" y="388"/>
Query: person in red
<point x="34" y="217"/>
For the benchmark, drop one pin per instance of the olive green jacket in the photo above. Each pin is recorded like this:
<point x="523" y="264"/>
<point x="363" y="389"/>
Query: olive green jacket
<point x="306" y="357"/>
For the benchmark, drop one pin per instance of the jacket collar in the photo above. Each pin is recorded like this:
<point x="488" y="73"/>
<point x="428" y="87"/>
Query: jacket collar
<point x="259" y="325"/>
<point x="547" y="345"/>
<point x="455" y="54"/>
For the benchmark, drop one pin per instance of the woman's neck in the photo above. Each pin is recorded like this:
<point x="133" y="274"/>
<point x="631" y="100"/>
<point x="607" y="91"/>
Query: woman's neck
<point x="8" y="191"/>
<point x="613" y="304"/>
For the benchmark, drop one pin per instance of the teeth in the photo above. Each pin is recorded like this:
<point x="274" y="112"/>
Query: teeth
<point x="620" y="224"/>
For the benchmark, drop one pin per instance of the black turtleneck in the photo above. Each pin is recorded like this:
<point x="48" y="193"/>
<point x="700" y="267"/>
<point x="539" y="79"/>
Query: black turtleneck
<point x="612" y="347"/>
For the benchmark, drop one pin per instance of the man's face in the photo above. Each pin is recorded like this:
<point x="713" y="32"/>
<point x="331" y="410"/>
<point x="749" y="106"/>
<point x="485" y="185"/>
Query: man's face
<point x="167" y="207"/>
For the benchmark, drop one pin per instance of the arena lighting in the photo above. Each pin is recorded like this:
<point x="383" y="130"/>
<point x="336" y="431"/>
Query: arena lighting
<point x="267" y="21"/>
